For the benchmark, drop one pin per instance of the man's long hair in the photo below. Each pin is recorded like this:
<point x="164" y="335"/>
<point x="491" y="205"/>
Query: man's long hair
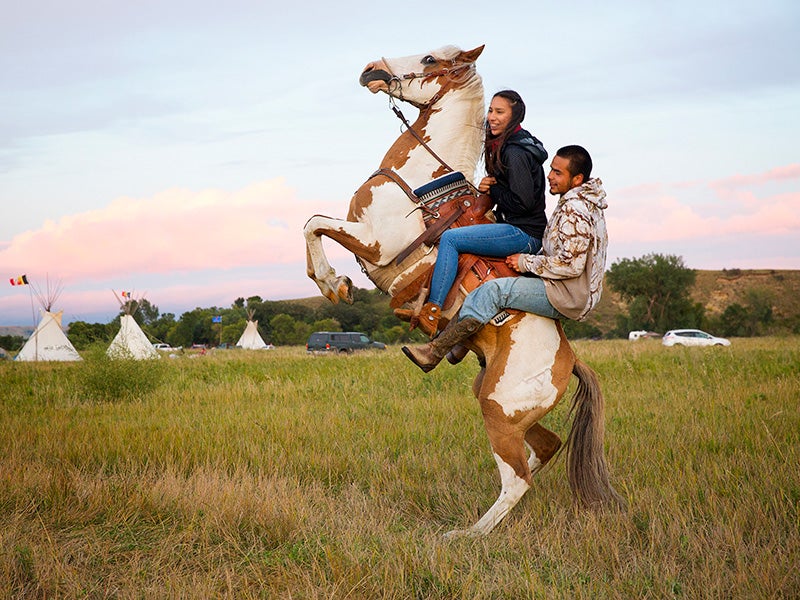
<point x="493" y="145"/>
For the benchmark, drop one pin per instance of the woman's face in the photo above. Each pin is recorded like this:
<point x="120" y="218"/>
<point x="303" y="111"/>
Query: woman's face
<point x="499" y="115"/>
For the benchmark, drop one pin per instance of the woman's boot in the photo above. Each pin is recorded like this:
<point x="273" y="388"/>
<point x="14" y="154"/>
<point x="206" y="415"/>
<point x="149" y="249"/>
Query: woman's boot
<point x="428" y="356"/>
<point x="427" y="320"/>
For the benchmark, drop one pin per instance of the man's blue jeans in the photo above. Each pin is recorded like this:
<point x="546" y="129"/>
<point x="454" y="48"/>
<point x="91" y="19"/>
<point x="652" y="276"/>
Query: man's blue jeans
<point x="523" y="293"/>
<point x="492" y="239"/>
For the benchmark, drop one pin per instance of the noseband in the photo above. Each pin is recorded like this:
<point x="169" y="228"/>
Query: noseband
<point x="450" y="72"/>
<point x="398" y="79"/>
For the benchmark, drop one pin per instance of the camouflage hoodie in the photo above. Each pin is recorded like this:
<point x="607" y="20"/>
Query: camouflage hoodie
<point x="573" y="257"/>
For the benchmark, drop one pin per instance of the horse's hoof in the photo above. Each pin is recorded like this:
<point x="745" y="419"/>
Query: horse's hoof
<point x="344" y="289"/>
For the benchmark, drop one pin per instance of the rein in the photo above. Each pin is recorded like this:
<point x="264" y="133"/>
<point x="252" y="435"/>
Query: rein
<point x="434" y="100"/>
<point x="417" y="136"/>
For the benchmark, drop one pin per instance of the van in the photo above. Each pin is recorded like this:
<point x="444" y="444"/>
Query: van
<point x="341" y="341"/>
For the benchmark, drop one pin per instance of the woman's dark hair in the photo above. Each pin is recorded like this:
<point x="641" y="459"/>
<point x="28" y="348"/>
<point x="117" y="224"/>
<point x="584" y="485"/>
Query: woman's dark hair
<point x="580" y="163"/>
<point x="493" y="144"/>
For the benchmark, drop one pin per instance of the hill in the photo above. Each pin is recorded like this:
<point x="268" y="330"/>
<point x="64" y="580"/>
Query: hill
<point x="715" y="290"/>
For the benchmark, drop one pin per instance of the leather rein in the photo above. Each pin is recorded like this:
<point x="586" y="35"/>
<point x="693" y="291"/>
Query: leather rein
<point x="399" y="114"/>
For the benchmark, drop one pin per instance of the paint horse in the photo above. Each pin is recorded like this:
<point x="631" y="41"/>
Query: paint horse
<point x="526" y="361"/>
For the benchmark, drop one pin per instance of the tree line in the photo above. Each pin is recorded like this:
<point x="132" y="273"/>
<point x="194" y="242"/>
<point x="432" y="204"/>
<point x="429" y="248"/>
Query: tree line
<point x="655" y="289"/>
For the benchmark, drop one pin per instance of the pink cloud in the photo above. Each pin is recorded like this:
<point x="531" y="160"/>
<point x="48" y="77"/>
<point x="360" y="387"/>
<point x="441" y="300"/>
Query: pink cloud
<point x="174" y="231"/>
<point x="681" y="212"/>
<point x="778" y="174"/>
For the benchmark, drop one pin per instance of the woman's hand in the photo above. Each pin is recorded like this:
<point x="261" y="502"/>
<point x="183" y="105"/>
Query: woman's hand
<point x="485" y="184"/>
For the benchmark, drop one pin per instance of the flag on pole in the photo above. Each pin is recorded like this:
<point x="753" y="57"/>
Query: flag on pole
<point x="21" y="280"/>
<point x="126" y="294"/>
<point x="216" y="319"/>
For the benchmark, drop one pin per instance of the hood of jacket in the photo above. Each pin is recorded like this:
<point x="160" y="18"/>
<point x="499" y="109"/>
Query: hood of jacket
<point x="591" y="192"/>
<point x="528" y="142"/>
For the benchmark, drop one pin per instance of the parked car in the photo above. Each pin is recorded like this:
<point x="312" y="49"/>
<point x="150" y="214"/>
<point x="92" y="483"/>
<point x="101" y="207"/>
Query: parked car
<point x="341" y="341"/>
<point x="164" y="347"/>
<point x="641" y="334"/>
<point x="692" y="337"/>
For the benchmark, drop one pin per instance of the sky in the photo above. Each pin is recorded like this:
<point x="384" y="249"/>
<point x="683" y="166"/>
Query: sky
<point x="175" y="150"/>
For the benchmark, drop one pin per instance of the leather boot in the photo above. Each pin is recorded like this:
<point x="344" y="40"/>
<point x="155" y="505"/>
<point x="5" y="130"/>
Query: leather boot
<point x="427" y="320"/>
<point x="457" y="354"/>
<point x="404" y="314"/>
<point x="428" y="356"/>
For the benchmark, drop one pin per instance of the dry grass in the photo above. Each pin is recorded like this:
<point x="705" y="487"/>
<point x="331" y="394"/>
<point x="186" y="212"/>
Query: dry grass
<point x="282" y="475"/>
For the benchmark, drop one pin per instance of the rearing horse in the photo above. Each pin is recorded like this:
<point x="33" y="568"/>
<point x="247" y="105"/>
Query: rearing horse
<point x="526" y="360"/>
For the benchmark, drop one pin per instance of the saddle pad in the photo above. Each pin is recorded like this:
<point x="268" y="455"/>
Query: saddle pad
<point x="441" y="190"/>
<point x="440" y="185"/>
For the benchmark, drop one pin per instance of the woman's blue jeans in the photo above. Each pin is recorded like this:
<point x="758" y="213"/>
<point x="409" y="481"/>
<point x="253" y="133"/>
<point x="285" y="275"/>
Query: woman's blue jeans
<point x="491" y="239"/>
<point x="525" y="293"/>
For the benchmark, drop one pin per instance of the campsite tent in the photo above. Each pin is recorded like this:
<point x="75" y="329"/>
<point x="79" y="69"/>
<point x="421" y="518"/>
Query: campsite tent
<point x="131" y="342"/>
<point x="251" y="340"/>
<point x="48" y="341"/>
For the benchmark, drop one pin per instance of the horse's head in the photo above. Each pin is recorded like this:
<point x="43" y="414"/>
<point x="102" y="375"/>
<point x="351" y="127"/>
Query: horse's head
<point x="423" y="78"/>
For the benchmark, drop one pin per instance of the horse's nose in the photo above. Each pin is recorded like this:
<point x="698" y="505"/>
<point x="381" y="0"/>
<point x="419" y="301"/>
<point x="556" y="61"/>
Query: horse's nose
<point x="374" y="71"/>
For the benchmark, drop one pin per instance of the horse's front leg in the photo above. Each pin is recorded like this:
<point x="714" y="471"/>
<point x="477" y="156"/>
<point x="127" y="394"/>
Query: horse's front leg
<point x="355" y="237"/>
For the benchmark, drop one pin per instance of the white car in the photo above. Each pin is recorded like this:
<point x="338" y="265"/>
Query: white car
<point x="692" y="337"/>
<point x="164" y="347"/>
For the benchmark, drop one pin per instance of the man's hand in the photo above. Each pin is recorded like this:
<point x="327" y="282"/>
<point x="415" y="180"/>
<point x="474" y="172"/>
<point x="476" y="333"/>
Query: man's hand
<point x="486" y="183"/>
<point x="513" y="262"/>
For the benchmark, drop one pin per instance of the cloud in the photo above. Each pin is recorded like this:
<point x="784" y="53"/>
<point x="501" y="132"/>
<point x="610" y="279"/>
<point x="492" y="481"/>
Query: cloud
<point x="176" y="230"/>
<point x="778" y="174"/>
<point x="710" y="210"/>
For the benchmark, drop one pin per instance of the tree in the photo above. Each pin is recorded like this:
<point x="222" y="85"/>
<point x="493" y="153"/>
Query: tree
<point x="656" y="288"/>
<point x="82" y="334"/>
<point x="749" y="320"/>
<point x="288" y="331"/>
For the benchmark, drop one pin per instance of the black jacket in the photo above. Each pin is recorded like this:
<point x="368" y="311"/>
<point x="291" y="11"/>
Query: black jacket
<point x="519" y="192"/>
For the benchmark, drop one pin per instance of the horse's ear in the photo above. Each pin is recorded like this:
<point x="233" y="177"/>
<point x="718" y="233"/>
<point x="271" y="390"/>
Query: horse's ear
<point x="472" y="55"/>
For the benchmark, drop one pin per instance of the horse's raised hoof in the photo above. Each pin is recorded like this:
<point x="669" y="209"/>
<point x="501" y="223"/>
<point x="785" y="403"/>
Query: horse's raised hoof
<point x="344" y="289"/>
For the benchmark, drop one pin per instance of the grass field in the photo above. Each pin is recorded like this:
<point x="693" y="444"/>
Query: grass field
<point x="285" y="475"/>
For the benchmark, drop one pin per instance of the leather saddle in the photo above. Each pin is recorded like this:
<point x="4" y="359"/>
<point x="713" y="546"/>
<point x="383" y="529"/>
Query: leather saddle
<point x="456" y="210"/>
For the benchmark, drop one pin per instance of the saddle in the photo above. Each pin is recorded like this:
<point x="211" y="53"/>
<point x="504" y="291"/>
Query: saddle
<point x="446" y="202"/>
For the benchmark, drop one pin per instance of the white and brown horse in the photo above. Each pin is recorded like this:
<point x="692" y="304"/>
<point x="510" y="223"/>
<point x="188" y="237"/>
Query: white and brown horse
<point x="526" y="361"/>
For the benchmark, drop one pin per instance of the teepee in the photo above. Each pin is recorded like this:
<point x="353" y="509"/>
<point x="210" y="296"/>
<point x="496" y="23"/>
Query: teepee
<point x="130" y="341"/>
<point x="251" y="340"/>
<point x="48" y="341"/>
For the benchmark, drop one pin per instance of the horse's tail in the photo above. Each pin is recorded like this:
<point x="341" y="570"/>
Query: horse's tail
<point x="587" y="469"/>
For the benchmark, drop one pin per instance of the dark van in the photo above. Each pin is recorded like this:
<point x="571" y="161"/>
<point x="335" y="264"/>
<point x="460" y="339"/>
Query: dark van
<point x="341" y="341"/>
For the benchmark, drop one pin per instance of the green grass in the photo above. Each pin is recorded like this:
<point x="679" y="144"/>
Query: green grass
<point x="285" y="475"/>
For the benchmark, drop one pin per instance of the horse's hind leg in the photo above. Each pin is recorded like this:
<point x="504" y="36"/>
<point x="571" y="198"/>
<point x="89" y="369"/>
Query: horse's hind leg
<point x="508" y="446"/>
<point x="543" y="444"/>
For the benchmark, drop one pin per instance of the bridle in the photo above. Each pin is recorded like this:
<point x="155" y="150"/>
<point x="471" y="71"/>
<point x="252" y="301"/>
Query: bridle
<point x="398" y="79"/>
<point x="447" y="71"/>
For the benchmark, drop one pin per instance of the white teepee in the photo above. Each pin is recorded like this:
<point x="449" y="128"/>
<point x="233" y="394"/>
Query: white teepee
<point x="251" y="340"/>
<point x="48" y="341"/>
<point x="130" y="341"/>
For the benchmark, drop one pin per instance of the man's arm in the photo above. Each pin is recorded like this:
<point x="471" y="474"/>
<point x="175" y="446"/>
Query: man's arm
<point x="570" y="249"/>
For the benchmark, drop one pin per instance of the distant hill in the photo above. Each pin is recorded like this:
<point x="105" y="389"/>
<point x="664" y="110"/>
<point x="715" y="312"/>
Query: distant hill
<point x="16" y="330"/>
<point x="716" y="290"/>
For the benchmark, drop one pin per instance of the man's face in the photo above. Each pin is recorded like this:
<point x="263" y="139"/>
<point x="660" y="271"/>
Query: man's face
<point x="559" y="177"/>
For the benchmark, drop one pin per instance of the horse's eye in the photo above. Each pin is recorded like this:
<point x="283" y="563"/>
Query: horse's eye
<point x="429" y="60"/>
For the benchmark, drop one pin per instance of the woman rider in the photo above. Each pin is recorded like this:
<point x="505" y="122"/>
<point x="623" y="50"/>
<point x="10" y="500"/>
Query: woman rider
<point x="515" y="182"/>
